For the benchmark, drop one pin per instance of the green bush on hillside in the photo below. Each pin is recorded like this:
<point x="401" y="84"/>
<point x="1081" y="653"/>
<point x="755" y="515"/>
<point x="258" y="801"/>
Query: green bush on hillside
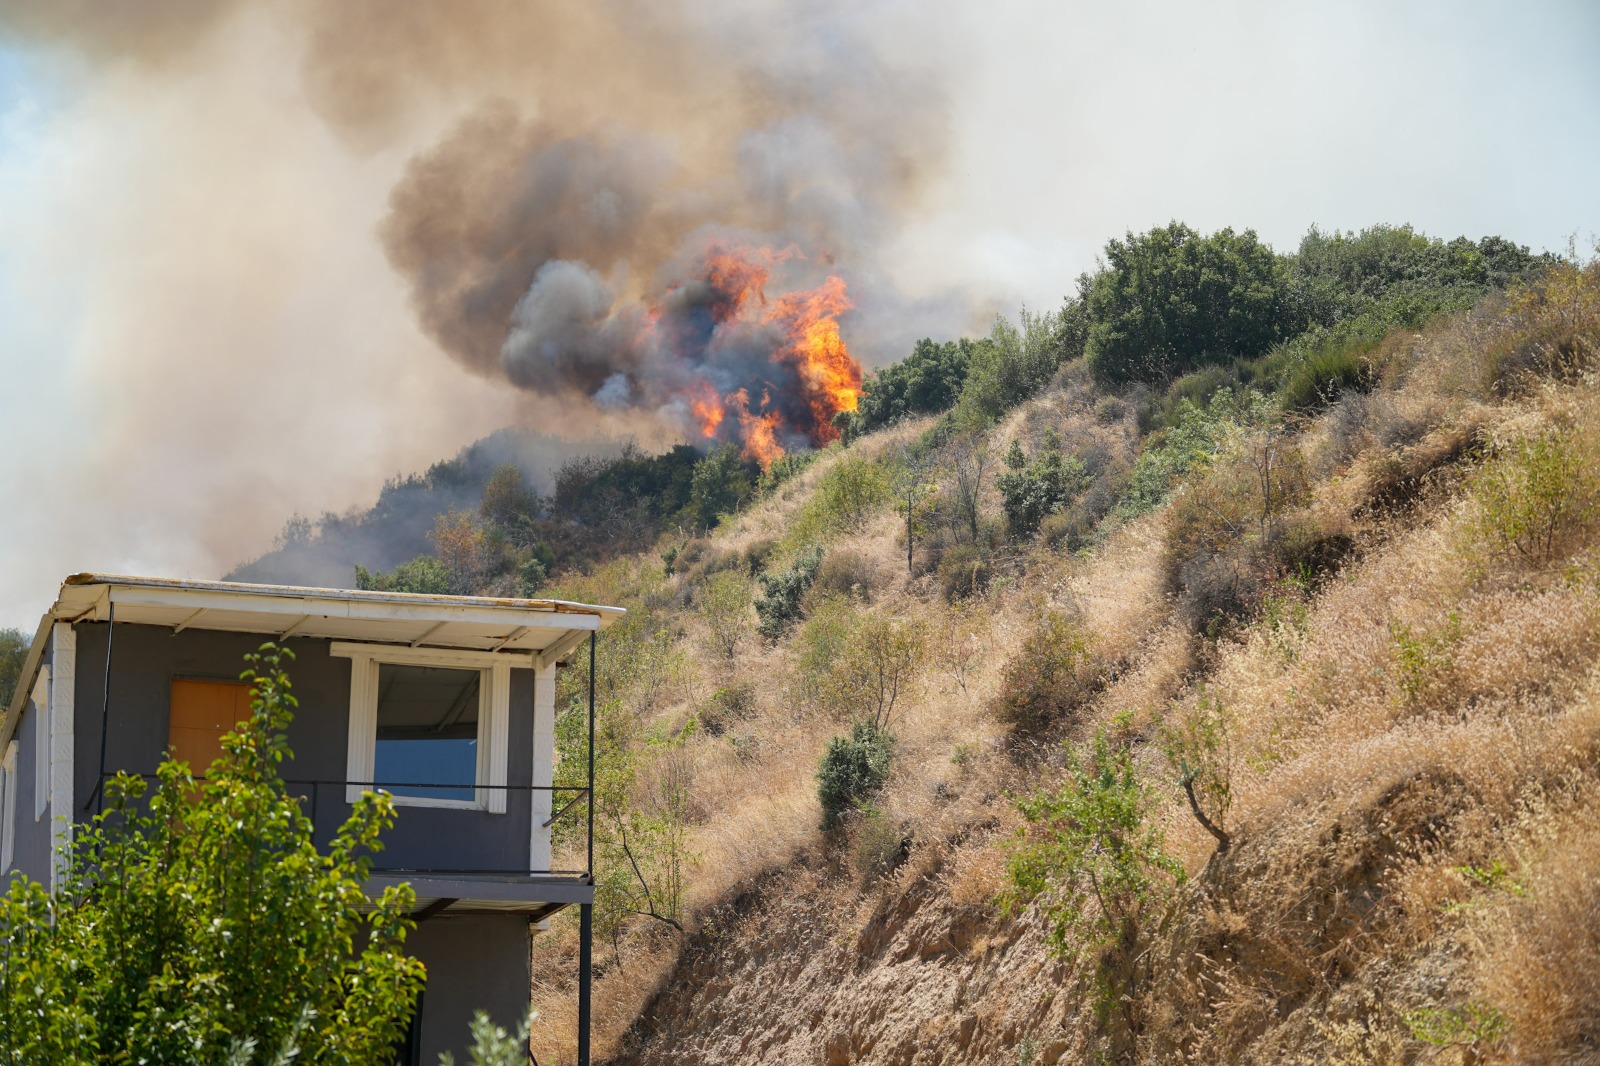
<point x="1033" y="489"/>
<point x="847" y="495"/>
<point x="1171" y="300"/>
<point x="1531" y="502"/>
<point x="424" y="574"/>
<point x="853" y="770"/>
<point x="779" y="606"/>
<point x="1097" y="861"/>
<point x="964" y="571"/>
<point x="1009" y="365"/>
<point x="720" y="483"/>
<point x="14" y="644"/>
<point x="1198" y="435"/>
<point x="927" y="381"/>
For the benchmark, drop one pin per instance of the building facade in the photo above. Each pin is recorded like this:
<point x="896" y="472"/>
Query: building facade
<point x="447" y="703"/>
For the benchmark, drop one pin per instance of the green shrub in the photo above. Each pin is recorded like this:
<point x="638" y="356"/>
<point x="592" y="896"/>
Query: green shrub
<point x="851" y="492"/>
<point x="853" y="770"/>
<point x="1533" y="501"/>
<point x="1199" y="748"/>
<point x="1423" y="657"/>
<point x="1092" y="838"/>
<point x="1228" y="525"/>
<point x="758" y="553"/>
<point x="1472" y="1025"/>
<point x="845" y="572"/>
<point x="507" y="501"/>
<point x="1010" y="365"/>
<point x="1031" y="490"/>
<point x="727" y="707"/>
<point x="14" y="645"/>
<point x="721" y="481"/>
<point x="786" y="466"/>
<point x="492" y="1045"/>
<point x="1559" y="315"/>
<point x="779" y="606"/>
<point x="1110" y="409"/>
<point x="424" y="574"/>
<point x="1323" y="376"/>
<point x="927" y="381"/>
<point x="1096" y="860"/>
<point x="859" y="664"/>
<point x="1199" y="434"/>
<point x="1049" y="677"/>
<point x="1171" y="300"/>
<point x="531" y="577"/>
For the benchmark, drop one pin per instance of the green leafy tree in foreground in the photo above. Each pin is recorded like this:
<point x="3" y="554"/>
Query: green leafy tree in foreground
<point x="492" y="1045"/>
<point x="1096" y="860"/>
<point x="198" y="923"/>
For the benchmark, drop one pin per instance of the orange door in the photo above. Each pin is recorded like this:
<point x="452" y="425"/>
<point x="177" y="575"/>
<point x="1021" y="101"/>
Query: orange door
<point x="201" y="712"/>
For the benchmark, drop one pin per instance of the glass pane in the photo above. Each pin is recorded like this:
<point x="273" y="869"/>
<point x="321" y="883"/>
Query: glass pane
<point x="427" y="731"/>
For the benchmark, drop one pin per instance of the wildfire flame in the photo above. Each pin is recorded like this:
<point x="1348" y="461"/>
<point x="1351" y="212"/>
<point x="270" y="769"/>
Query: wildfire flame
<point x="731" y="289"/>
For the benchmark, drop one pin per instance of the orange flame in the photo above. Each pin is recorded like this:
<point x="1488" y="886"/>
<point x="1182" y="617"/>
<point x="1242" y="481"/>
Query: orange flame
<point x="830" y="375"/>
<point x="829" y="378"/>
<point x="760" y="429"/>
<point x="707" y="410"/>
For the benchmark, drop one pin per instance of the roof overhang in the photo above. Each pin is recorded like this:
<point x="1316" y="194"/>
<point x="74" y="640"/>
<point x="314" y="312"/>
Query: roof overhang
<point x="546" y="630"/>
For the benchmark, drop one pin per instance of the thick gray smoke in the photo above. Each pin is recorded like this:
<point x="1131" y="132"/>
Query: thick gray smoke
<point x="591" y="157"/>
<point x="572" y="250"/>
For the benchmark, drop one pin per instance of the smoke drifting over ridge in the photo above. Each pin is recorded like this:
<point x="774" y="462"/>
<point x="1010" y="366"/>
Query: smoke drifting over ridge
<point x="623" y="263"/>
<point x="625" y="210"/>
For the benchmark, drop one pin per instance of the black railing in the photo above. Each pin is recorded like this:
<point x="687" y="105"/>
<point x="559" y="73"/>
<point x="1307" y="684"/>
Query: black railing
<point x="298" y="787"/>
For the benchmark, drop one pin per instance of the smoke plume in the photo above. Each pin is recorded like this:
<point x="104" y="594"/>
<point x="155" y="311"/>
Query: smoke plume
<point x="629" y="210"/>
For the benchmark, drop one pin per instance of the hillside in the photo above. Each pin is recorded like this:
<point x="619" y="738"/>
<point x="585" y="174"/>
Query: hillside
<point x="1233" y="700"/>
<point x="1392" y="711"/>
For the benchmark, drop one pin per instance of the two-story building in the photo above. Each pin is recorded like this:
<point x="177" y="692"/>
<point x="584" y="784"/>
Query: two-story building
<point x="446" y="702"/>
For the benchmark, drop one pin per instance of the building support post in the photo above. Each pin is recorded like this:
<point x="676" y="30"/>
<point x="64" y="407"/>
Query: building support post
<point x="586" y="910"/>
<point x="585" y="970"/>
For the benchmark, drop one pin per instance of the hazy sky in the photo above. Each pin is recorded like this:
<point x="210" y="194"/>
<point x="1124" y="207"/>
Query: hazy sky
<point x="200" y="332"/>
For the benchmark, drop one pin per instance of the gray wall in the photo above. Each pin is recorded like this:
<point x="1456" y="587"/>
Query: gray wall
<point x="145" y="660"/>
<point x="474" y="963"/>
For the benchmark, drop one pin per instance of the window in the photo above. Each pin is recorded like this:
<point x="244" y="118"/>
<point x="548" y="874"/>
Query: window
<point x="429" y="726"/>
<point x="427" y="731"/>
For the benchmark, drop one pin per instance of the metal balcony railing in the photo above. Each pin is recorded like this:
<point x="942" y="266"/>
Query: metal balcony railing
<point x="314" y="791"/>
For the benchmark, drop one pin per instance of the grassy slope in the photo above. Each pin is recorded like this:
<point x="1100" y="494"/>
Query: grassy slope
<point x="1414" y="743"/>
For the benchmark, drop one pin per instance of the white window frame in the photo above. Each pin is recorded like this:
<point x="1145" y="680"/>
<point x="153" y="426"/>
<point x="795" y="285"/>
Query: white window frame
<point x="494" y="716"/>
<point x="41" y="744"/>
<point x="8" y="808"/>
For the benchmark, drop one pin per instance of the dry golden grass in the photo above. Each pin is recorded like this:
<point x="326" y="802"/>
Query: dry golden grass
<point x="1541" y="964"/>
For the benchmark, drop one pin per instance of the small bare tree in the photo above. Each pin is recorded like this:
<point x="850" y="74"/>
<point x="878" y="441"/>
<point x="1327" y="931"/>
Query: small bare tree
<point x="725" y="607"/>
<point x="912" y="487"/>
<point x="970" y="460"/>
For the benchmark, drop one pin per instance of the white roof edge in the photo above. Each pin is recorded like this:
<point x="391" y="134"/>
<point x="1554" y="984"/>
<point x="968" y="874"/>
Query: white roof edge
<point x="590" y="617"/>
<point x="607" y="615"/>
